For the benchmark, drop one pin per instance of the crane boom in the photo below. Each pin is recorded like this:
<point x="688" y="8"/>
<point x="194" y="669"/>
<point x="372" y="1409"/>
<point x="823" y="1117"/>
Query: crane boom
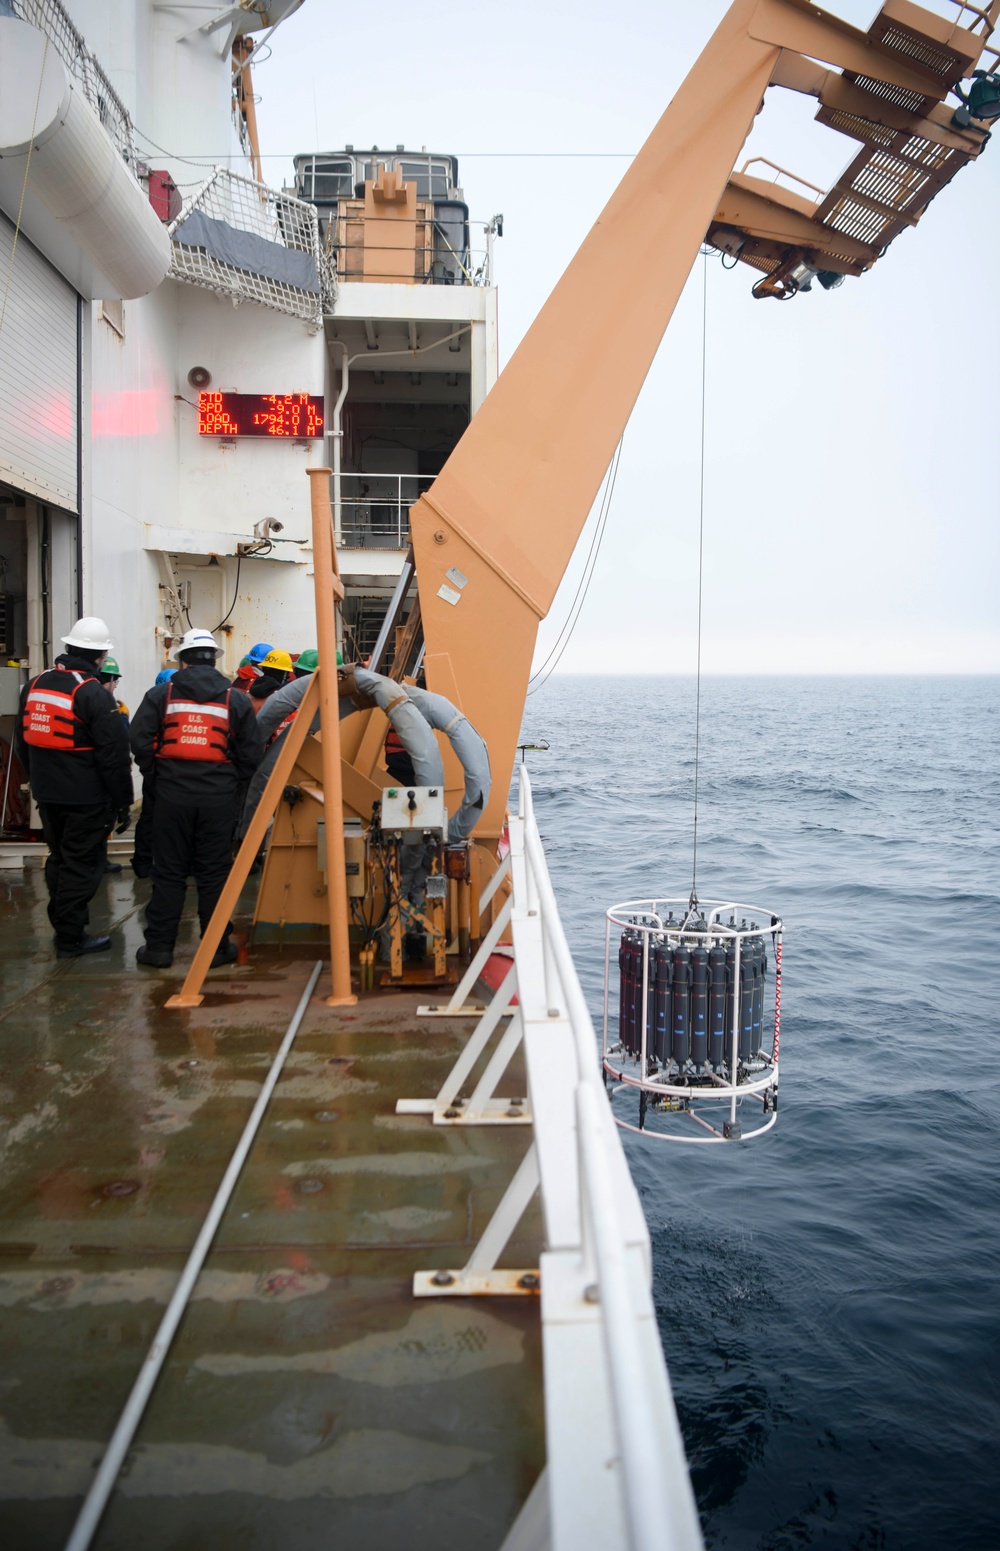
<point x="493" y="535"/>
<point x="508" y="507"/>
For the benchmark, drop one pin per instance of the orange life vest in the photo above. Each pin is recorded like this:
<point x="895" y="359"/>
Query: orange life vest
<point x="50" y="718"/>
<point x="282" y="727"/>
<point x="193" y="729"/>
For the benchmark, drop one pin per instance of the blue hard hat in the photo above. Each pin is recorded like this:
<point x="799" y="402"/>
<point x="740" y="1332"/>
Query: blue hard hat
<point x="257" y="653"/>
<point x="165" y="674"/>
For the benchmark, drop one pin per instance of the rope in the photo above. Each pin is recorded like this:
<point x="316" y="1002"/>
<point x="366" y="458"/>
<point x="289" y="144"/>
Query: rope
<point x="544" y="673"/>
<point x="701" y="554"/>
<point x="24" y="185"/>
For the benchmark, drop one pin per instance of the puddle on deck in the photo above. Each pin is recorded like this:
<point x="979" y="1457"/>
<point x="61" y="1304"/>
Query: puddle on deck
<point x="308" y="1399"/>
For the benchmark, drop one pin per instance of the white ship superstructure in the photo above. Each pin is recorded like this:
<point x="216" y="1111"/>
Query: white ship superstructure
<point x="149" y="276"/>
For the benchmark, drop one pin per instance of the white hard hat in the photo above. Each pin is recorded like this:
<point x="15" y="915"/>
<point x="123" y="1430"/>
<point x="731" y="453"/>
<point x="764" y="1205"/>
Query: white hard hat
<point x="203" y="640"/>
<point x="90" y="633"/>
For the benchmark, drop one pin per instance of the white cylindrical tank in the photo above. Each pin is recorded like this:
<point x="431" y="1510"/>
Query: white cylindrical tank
<point x="75" y="170"/>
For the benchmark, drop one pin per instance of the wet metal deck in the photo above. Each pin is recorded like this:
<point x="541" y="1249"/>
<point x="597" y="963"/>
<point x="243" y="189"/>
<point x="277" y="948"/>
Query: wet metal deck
<point x="308" y="1400"/>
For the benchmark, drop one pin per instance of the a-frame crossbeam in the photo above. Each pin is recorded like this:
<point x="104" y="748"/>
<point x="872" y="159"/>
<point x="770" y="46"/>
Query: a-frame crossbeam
<point x="483" y="1108"/>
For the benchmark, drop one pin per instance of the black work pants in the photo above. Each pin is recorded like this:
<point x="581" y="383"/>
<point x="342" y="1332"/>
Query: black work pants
<point x="142" y="857"/>
<point x="77" y="838"/>
<point x="188" y="840"/>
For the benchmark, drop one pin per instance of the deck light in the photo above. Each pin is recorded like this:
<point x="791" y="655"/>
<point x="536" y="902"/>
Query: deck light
<point x="802" y="276"/>
<point x="829" y="279"/>
<point x="984" y="96"/>
<point x="982" y="101"/>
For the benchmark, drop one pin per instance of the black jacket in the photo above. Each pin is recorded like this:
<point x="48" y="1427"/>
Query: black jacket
<point x="198" y="781"/>
<point x="265" y="685"/>
<point x="80" y="777"/>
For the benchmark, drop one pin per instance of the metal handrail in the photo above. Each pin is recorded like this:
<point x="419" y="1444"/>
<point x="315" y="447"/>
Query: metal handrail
<point x="646" y="1449"/>
<point x="978" y="13"/>
<point x="783" y="172"/>
<point x="380" y="519"/>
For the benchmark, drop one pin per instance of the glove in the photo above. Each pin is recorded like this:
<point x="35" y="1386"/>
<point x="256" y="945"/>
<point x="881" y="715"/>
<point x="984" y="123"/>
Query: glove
<point x="124" y="820"/>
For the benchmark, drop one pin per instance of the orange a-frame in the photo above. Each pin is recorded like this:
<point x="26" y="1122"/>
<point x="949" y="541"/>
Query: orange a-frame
<point x="493" y="535"/>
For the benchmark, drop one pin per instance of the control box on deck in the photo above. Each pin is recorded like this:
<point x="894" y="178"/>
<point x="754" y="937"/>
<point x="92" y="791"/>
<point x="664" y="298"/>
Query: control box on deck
<point x="414" y="810"/>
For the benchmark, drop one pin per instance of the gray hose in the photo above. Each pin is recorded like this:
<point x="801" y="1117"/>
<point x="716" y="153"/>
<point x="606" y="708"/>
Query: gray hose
<point x="471" y="750"/>
<point x="414" y="731"/>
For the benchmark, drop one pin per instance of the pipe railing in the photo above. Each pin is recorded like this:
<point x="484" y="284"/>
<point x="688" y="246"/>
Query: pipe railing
<point x="585" y="1179"/>
<point x="375" y="509"/>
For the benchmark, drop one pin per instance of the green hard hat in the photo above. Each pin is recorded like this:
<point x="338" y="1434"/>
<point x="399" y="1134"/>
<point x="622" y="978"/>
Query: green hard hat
<point x="111" y="668"/>
<point x="307" y="661"/>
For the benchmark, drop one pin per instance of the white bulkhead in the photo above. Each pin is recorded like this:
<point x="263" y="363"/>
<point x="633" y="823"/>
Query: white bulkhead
<point x="111" y="501"/>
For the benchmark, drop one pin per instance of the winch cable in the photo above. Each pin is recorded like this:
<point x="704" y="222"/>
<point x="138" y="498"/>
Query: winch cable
<point x="583" y="586"/>
<point x="701" y="556"/>
<point x="103" y="1483"/>
<point x="540" y="677"/>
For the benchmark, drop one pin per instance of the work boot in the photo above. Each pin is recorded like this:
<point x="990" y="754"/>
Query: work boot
<point x="156" y="958"/>
<point x="74" y="950"/>
<point x="226" y="953"/>
<point x="112" y="866"/>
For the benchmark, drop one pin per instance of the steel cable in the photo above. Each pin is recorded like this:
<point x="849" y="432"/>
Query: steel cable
<point x="701" y="555"/>
<point x="541" y="676"/>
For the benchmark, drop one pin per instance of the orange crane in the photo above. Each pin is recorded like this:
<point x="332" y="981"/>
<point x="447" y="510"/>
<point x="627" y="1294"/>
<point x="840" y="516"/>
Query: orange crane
<point x="493" y="535"/>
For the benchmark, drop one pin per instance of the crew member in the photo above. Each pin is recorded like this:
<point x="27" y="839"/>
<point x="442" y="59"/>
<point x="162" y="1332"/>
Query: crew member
<point x="307" y="662"/>
<point x="110" y="676"/>
<point x="394" y="753"/>
<point x="397" y="760"/>
<point x="200" y="741"/>
<point x="274" y="720"/>
<point x="275" y="670"/>
<point x="142" y="852"/>
<point x="74" y="746"/>
<point x="249" y="669"/>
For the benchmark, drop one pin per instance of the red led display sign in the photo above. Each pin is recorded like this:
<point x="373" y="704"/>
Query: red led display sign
<point x="260" y="414"/>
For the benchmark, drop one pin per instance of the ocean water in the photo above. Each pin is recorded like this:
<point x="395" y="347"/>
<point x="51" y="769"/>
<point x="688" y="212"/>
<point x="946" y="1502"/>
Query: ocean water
<point x="829" y="1294"/>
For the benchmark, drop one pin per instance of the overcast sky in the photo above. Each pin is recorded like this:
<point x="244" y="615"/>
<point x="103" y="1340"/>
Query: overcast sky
<point x="852" y="490"/>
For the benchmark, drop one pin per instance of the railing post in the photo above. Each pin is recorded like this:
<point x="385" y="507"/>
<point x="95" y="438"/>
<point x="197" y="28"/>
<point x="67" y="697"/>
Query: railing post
<point x="329" y="586"/>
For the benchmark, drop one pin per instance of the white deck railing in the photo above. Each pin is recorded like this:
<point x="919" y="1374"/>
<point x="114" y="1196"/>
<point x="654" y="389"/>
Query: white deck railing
<point x="376" y="509"/>
<point x="617" y="1474"/>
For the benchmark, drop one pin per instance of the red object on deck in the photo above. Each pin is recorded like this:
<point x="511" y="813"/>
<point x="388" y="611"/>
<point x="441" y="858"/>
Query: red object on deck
<point x="494" y="972"/>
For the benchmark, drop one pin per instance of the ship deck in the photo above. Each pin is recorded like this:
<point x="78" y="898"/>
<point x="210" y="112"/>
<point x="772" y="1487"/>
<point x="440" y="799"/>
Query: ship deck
<point x="307" y="1399"/>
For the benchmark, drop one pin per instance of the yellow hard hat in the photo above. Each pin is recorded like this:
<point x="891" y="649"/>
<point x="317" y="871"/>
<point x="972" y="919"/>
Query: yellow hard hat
<point x="280" y="661"/>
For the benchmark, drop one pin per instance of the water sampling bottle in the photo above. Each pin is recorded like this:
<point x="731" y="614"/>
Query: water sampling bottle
<point x="717" y="1005"/>
<point x="680" y="1005"/>
<point x="661" y="978"/>
<point x="699" y="1004"/>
